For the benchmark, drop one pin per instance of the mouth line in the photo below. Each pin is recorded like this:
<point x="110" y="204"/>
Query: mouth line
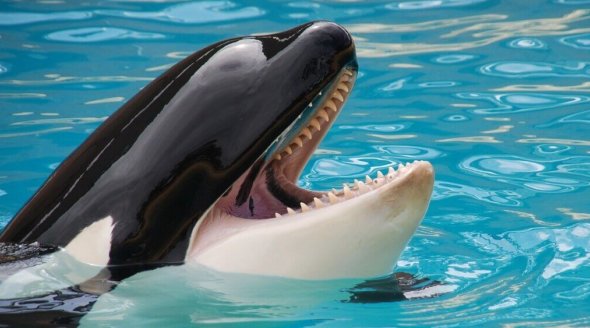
<point x="288" y="162"/>
<point x="269" y="190"/>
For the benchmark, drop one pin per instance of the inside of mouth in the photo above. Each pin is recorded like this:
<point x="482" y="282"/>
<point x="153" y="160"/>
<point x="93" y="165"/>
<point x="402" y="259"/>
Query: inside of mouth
<point x="269" y="189"/>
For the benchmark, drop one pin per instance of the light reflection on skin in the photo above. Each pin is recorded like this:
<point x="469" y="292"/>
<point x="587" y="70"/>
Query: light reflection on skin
<point x="105" y="100"/>
<point x="485" y="33"/>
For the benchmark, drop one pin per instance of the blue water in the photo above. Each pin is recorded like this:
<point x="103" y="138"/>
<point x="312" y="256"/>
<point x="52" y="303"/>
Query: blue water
<point x="496" y="94"/>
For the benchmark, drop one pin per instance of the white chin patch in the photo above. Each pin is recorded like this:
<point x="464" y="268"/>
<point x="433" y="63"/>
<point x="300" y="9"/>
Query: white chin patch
<point x="93" y="244"/>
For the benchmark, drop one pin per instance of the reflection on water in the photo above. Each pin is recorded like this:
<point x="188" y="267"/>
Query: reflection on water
<point x="493" y="93"/>
<point x="483" y="34"/>
<point x="527" y="43"/>
<point x="522" y="102"/>
<point x="193" y="12"/>
<point x="531" y="69"/>
<point x="581" y="41"/>
<point x="98" y="34"/>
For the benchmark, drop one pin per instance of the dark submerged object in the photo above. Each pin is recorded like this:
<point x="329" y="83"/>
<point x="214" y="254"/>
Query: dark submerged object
<point x="158" y="163"/>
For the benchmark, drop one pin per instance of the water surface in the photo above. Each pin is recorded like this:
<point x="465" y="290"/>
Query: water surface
<point x="496" y="94"/>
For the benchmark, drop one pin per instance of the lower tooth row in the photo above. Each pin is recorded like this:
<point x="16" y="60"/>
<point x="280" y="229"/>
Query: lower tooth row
<point x="347" y="192"/>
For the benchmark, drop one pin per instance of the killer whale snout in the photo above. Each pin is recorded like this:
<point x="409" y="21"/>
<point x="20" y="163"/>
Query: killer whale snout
<point x="333" y="36"/>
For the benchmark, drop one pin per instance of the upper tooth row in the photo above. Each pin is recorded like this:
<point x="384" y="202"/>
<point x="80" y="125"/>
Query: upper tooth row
<point x="322" y="113"/>
<point x="347" y="192"/>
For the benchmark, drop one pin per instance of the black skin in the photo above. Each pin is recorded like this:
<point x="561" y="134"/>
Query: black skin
<point x="159" y="162"/>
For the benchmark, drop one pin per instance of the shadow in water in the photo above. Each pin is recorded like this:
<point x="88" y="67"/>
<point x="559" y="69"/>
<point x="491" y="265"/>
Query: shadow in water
<point x="399" y="286"/>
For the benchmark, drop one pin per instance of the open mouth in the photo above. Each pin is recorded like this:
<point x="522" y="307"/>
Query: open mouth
<point x="269" y="189"/>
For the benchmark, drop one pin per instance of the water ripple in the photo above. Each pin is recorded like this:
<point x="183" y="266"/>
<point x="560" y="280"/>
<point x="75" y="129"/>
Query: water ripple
<point x="580" y="117"/>
<point x="582" y="87"/>
<point x="422" y="26"/>
<point x="193" y="12"/>
<point x="571" y="246"/>
<point x="404" y="83"/>
<point x="527" y="43"/>
<point x="63" y="120"/>
<point x="98" y="34"/>
<point x="546" y="176"/>
<point x="453" y="59"/>
<point x="431" y="4"/>
<point x="516" y="69"/>
<point x="409" y="152"/>
<point x="20" y="18"/>
<point x="483" y="34"/>
<point x="580" y="41"/>
<point x="447" y="189"/>
<point x="55" y="79"/>
<point x="521" y="102"/>
<point x="374" y="127"/>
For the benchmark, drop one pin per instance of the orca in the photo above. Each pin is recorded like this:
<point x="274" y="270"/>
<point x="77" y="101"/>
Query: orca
<point x="201" y="166"/>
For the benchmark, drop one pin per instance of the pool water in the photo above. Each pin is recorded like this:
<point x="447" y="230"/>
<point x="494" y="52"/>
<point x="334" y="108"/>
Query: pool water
<point x="495" y="94"/>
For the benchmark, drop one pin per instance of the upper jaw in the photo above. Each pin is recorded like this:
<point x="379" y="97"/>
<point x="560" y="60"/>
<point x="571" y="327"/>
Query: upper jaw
<point x="269" y="186"/>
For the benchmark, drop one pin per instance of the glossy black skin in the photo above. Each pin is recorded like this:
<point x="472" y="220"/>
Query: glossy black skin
<point x="159" y="162"/>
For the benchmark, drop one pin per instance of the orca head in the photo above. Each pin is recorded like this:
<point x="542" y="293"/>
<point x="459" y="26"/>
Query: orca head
<point x="198" y="165"/>
<point x="266" y="224"/>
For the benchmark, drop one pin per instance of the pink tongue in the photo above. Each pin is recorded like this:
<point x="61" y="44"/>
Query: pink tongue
<point x="258" y="203"/>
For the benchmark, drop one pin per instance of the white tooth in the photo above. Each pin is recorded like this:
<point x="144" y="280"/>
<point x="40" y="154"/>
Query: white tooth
<point x="315" y="123"/>
<point x="391" y="171"/>
<point x="368" y="179"/>
<point x="346" y="190"/>
<point x="331" y="105"/>
<point x="290" y="210"/>
<point x="304" y="207"/>
<point x="333" y="199"/>
<point x="310" y="105"/>
<point x="362" y="187"/>
<point x="334" y="191"/>
<point x="288" y="150"/>
<point x="323" y="114"/>
<point x="342" y="86"/>
<point x="298" y="141"/>
<point x="356" y="183"/>
<point x="278" y="157"/>
<point x="318" y="203"/>
<point x="277" y="215"/>
<point x="338" y="96"/>
<point x="379" y="175"/>
<point x="347" y="72"/>
<point x="306" y="132"/>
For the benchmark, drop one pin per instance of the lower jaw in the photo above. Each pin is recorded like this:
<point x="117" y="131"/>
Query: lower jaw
<point x="354" y="238"/>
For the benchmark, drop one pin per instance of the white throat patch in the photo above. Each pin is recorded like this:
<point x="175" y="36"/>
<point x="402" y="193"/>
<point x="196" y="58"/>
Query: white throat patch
<point x="93" y="244"/>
